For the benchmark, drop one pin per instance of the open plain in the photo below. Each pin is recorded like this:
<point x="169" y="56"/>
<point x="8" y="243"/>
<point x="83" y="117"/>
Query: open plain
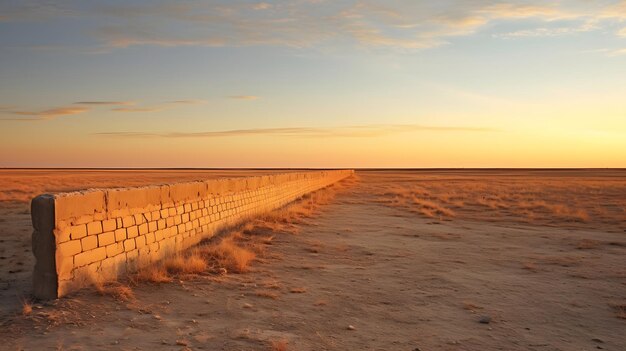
<point x="385" y="260"/>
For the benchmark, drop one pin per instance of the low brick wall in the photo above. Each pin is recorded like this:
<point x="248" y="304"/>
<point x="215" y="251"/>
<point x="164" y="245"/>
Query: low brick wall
<point x="100" y="234"/>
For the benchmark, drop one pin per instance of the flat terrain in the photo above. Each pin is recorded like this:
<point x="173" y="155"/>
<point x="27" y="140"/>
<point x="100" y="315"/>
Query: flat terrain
<point x="388" y="260"/>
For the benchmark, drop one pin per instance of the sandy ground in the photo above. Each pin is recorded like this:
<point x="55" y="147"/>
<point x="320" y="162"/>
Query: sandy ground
<point x="397" y="261"/>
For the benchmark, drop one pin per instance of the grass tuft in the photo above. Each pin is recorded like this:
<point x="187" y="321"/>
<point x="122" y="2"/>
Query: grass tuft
<point x="278" y="345"/>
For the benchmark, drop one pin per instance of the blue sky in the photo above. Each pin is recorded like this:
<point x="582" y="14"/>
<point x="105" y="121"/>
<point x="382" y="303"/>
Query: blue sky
<point x="313" y="83"/>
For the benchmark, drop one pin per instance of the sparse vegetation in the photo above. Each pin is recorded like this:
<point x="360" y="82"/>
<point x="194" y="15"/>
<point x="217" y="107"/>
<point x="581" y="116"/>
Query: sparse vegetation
<point x="543" y="200"/>
<point x="116" y="290"/>
<point x="278" y="345"/>
<point x="27" y="307"/>
<point x="267" y="294"/>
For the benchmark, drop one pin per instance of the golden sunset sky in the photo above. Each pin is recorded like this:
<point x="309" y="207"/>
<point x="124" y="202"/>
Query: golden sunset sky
<point x="313" y="83"/>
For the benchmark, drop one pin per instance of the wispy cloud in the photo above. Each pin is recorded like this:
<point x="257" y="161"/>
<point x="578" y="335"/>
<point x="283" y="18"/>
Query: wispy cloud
<point x="547" y="31"/>
<point x="138" y="109"/>
<point x="310" y="132"/>
<point x="396" y="24"/>
<point x="48" y="114"/>
<point x="244" y="97"/>
<point x="105" y="103"/>
<point x="188" y="102"/>
<point x="370" y="23"/>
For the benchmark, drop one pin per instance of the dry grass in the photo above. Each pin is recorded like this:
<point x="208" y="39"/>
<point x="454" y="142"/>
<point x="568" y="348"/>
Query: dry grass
<point x="586" y="244"/>
<point x="116" y="290"/>
<point x="530" y="266"/>
<point x="27" y="307"/>
<point x="278" y="345"/>
<point x="549" y="199"/>
<point x="469" y="306"/>
<point x="186" y="264"/>
<point x="152" y="274"/>
<point x="268" y="294"/>
<point x="228" y="255"/>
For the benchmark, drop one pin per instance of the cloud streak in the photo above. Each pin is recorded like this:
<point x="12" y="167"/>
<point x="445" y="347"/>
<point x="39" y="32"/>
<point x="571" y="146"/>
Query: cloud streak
<point x="48" y="114"/>
<point x="363" y="131"/>
<point x="106" y="103"/>
<point x="391" y="24"/>
<point x="396" y="24"/>
<point x="244" y="97"/>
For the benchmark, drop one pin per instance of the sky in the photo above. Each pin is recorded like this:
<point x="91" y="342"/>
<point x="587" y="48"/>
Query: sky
<point x="313" y="83"/>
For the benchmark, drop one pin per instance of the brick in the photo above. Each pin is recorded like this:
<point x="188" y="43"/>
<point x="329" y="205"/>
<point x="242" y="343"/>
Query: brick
<point x="132" y="232"/>
<point x="109" y="225"/>
<point x="159" y="235"/>
<point x="139" y="218"/>
<point x="115" y="249"/>
<point x="69" y="248"/>
<point x="94" y="228"/>
<point x="78" y="231"/>
<point x="91" y="256"/>
<point x="152" y="226"/>
<point x="105" y="239"/>
<point x="128" y="221"/>
<point x="119" y="222"/>
<point x="89" y="242"/>
<point x="140" y="241"/>
<point x="171" y="211"/>
<point x="156" y="215"/>
<point x="164" y="213"/>
<point x="129" y="245"/>
<point x="161" y="224"/>
<point x="64" y="266"/>
<point x="143" y="229"/>
<point x="120" y="234"/>
<point x="187" y="208"/>
<point x="62" y="235"/>
<point x="150" y="238"/>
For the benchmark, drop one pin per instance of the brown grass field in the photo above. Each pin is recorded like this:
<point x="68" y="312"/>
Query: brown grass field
<point x="386" y="260"/>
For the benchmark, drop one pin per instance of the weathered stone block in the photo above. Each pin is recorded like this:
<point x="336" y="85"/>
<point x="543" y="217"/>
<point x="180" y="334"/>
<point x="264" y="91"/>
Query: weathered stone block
<point x="129" y="245"/>
<point x="120" y="234"/>
<point x="128" y="221"/>
<point x="78" y="204"/>
<point x="109" y="225"/>
<point x="132" y="232"/>
<point x="69" y="248"/>
<point x="89" y="242"/>
<point x="94" y="228"/>
<point x="115" y="249"/>
<point x="78" y="231"/>
<point x="107" y="238"/>
<point x="91" y="256"/>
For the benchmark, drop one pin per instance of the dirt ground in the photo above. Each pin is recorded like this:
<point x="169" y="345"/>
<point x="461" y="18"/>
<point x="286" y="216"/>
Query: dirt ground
<point x="402" y="260"/>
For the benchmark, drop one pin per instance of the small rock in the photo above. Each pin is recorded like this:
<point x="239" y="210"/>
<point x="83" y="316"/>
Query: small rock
<point x="182" y="342"/>
<point x="351" y="327"/>
<point x="598" y="340"/>
<point x="484" y="320"/>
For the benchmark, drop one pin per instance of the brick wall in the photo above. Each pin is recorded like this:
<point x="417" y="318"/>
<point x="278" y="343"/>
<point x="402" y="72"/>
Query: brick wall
<point x="100" y="234"/>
